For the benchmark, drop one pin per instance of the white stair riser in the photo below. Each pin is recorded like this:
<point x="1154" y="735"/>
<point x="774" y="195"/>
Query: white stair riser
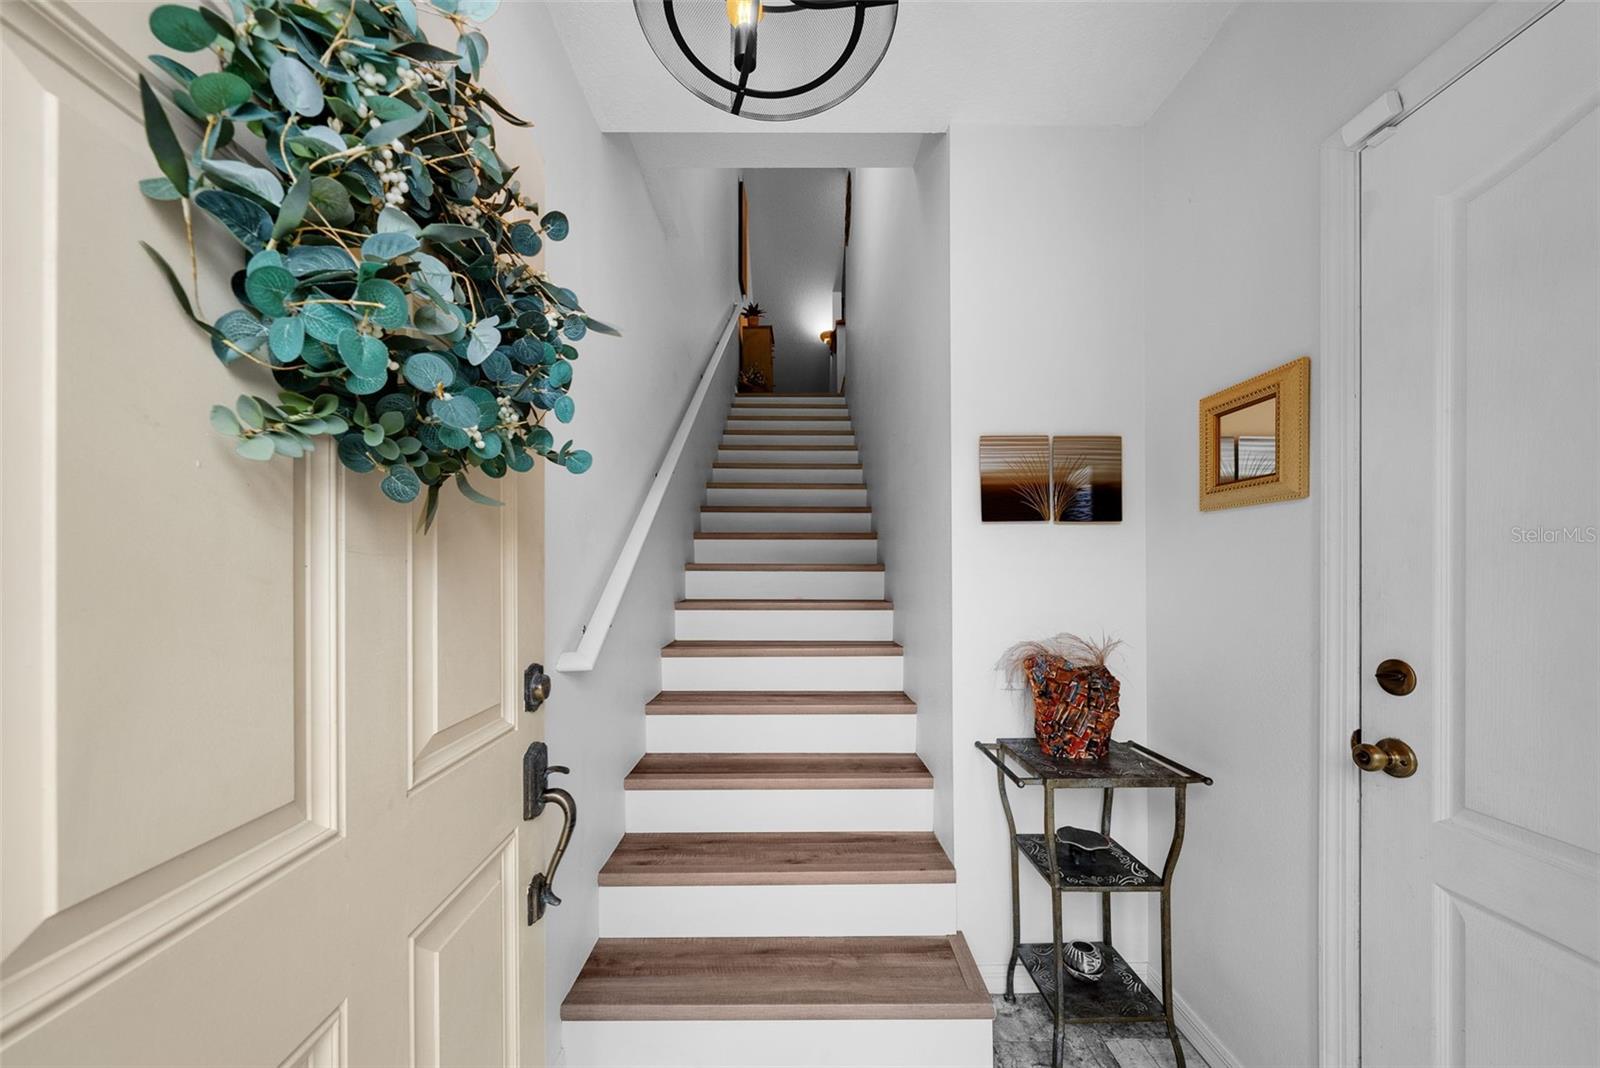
<point x="849" y="585"/>
<point x="761" y="733"/>
<point x="787" y="474"/>
<point x="683" y="811"/>
<point x="740" y="399"/>
<point x="736" y="455"/>
<point x="800" y="625"/>
<point x="798" y="496"/>
<point x="778" y="1043"/>
<point x="786" y="550"/>
<point x="847" y="911"/>
<point x="783" y="673"/>
<point x="791" y="425"/>
<point x="784" y="437"/>
<point x="754" y="522"/>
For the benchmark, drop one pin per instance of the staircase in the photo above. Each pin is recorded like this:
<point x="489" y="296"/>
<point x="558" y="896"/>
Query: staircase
<point x="779" y="898"/>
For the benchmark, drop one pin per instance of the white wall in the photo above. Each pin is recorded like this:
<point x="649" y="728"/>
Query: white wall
<point x="796" y="241"/>
<point x="1231" y="166"/>
<point x="1046" y="337"/>
<point x="669" y="288"/>
<point x="899" y="390"/>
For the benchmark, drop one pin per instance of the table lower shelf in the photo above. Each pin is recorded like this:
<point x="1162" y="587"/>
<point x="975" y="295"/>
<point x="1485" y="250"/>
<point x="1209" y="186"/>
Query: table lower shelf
<point x="1120" y="996"/>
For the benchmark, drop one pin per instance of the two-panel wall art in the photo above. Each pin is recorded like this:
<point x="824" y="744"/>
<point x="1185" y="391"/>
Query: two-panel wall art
<point x="1035" y="478"/>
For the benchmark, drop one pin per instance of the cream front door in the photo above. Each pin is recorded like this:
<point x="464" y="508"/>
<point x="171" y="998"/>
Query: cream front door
<point x="261" y="740"/>
<point x="1480" y="384"/>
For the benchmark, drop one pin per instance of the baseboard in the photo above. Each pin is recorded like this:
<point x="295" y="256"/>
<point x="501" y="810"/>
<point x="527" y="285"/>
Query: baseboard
<point x="1204" y="1040"/>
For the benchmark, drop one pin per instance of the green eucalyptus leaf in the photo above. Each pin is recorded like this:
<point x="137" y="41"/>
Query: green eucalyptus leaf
<point x="295" y="86"/>
<point x="485" y="339"/>
<point x="458" y="411"/>
<point x="578" y="461"/>
<point x="392" y="422"/>
<point x="223" y="421"/>
<point x="451" y="233"/>
<point x="366" y="385"/>
<point x="401" y="484"/>
<point x="383" y="133"/>
<point x="601" y="328"/>
<point x="242" y="332"/>
<point x="159" y="189"/>
<point x="331" y="201"/>
<point x="366" y="357"/>
<point x="388" y="108"/>
<point x="163" y="142"/>
<point x="525" y="239"/>
<point x="395" y="221"/>
<point x="372" y="434"/>
<point x="287" y="336"/>
<point x="564" y="408"/>
<point x="173" y="69"/>
<point x="435" y="320"/>
<point x="574" y="328"/>
<point x="259" y="447"/>
<point x="269" y="287"/>
<point x="555" y="226"/>
<point x="394" y="313"/>
<point x="427" y="371"/>
<point x="219" y="92"/>
<point x="293" y="209"/>
<point x="353" y="453"/>
<point x="317" y="259"/>
<point x="473" y="495"/>
<point x="243" y="178"/>
<point x="182" y="28"/>
<point x="425" y="52"/>
<point x="326" y="322"/>
<point x="250" y="411"/>
<point x="244" y="218"/>
<point x="384" y="247"/>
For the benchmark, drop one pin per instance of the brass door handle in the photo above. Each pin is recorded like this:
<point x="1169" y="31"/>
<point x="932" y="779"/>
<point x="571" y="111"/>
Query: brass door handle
<point x="1389" y="755"/>
<point x="1396" y="677"/>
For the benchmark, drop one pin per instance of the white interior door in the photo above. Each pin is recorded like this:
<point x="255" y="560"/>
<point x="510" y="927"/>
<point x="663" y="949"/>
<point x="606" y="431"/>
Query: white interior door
<point x="261" y="741"/>
<point x="1480" y="874"/>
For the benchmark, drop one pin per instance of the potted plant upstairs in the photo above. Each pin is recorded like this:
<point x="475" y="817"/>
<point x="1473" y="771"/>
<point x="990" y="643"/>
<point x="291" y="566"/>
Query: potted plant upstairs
<point x="750" y="314"/>
<point x="1076" y="698"/>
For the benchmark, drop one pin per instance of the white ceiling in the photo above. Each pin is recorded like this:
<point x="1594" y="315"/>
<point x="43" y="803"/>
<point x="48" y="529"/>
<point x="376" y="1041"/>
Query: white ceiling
<point x="1034" y="62"/>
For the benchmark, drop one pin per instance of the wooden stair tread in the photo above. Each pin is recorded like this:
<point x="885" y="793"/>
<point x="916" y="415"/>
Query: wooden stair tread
<point x="779" y="703"/>
<point x="780" y="648"/>
<point x="780" y="604"/>
<point x="778" y="771"/>
<point x="783" y="567"/>
<point x="798" y="487"/>
<point x="777" y="859"/>
<point x="843" y="417"/>
<point x="790" y="509"/>
<point x="779" y="433"/>
<point x="772" y="465"/>
<point x="877" y="978"/>
<point x="785" y="535"/>
<point x="795" y="448"/>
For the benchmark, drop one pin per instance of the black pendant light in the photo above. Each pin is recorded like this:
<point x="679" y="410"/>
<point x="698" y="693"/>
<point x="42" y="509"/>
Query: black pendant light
<point x="771" y="61"/>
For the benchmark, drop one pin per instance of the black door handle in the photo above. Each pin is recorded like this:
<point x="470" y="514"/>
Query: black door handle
<point x="536" y="794"/>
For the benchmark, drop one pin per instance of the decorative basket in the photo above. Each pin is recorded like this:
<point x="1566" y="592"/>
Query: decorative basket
<point x="1074" y="707"/>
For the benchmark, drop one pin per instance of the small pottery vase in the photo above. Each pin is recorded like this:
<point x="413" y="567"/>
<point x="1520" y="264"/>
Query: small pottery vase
<point x="1074" y="707"/>
<point x="1083" y="961"/>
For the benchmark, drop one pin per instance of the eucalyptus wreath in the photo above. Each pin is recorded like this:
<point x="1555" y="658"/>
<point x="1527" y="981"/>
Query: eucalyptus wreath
<point x="386" y="284"/>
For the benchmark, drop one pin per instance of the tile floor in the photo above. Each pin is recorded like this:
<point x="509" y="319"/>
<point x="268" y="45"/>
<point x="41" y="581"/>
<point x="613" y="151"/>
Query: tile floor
<point x="1022" y="1040"/>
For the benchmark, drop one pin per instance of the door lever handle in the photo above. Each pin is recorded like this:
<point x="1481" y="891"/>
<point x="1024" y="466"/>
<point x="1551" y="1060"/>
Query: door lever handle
<point x="536" y="794"/>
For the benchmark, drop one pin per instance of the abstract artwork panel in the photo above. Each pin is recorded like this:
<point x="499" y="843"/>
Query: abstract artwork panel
<point x="1086" y="478"/>
<point x="1014" y="478"/>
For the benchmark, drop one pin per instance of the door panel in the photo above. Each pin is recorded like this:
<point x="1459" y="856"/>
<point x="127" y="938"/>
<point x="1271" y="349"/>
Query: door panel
<point x="261" y="739"/>
<point x="1480" y="390"/>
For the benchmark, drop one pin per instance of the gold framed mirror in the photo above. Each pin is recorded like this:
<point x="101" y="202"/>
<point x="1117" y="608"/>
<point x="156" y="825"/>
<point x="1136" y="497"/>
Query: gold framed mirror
<point x="1255" y="439"/>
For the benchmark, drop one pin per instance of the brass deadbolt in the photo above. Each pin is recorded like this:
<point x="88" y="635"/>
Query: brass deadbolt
<point x="1396" y="677"/>
<point x="1390" y="756"/>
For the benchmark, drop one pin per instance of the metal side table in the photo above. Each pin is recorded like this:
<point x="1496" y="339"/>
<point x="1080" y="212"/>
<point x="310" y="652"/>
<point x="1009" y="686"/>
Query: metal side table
<point x="1119" y="996"/>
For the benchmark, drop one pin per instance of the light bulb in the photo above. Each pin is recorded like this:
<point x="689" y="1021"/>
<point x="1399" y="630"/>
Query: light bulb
<point x="744" y="14"/>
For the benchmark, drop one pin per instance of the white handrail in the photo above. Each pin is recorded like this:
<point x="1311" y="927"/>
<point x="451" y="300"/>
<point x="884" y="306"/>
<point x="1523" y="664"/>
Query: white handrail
<point x="605" y="610"/>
